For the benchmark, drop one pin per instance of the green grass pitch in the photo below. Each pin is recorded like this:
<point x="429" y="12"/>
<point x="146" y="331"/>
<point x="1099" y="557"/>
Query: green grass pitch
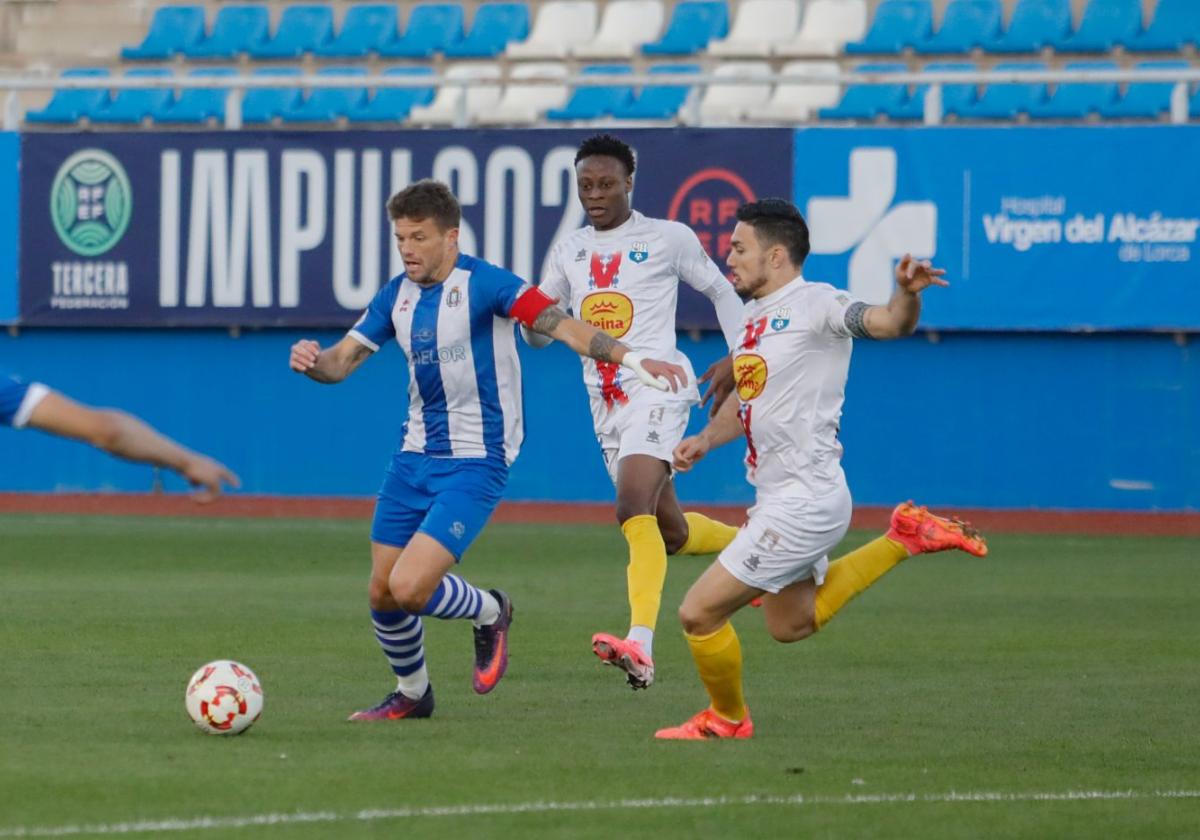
<point x="957" y="698"/>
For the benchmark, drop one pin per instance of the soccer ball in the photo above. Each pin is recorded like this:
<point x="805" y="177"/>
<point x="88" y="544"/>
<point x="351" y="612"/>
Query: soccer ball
<point x="224" y="697"/>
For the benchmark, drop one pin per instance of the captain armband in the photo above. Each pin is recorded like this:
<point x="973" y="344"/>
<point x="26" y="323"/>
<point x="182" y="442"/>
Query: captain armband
<point x="529" y="304"/>
<point x="856" y="319"/>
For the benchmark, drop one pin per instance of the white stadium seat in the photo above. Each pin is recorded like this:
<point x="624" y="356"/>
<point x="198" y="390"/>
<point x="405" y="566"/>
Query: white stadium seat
<point x="447" y="106"/>
<point x="759" y="25"/>
<point x="626" y="25"/>
<point x="828" y="25"/>
<point x="792" y="103"/>
<point x="524" y="104"/>
<point x="728" y="103"/>
<point x="560" y="25"/>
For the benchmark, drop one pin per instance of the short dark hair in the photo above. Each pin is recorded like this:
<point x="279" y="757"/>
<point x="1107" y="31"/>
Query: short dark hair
<point x="776" y="221"/>
<point x="426" y="199"/>
<point x="608" y="146"/>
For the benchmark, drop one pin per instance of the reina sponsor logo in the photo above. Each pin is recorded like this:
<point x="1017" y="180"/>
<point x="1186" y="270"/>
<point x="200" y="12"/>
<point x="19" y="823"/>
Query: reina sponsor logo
<point x="750" y="375"/>
<point x="609" y="311"/>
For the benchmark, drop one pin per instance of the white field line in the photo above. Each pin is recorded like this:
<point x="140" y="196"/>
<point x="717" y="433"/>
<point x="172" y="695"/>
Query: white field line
<point x="797" y="800"/>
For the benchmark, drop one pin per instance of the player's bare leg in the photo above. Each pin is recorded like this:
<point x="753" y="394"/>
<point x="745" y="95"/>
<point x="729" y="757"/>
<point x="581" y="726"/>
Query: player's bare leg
<point x="690" y="532"/>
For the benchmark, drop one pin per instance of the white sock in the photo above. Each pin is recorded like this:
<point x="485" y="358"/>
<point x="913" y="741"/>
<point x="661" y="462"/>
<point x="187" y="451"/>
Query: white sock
<point x="489" y="609"/>
<point x="413" y="685"/>
<point x="644" y="636"/>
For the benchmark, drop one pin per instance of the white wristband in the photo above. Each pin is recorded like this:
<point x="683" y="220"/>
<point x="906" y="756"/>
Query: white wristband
<point x="633" y="361"/>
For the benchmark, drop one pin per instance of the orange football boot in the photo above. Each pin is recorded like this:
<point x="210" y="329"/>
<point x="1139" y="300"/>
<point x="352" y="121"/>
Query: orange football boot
<point x="627" y="655"/>
<point x="707" y="724"/>
<point x="922" y="532"/>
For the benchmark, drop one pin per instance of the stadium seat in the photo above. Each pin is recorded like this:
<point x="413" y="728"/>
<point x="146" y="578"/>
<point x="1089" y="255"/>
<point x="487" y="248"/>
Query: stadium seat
<point x="301" y="29"/>
<point x="365" y="30"/>
<point x="1035" y="24"/>
<point x="494" y="26"/>
<point x="73" y="104"/>
<point x="1176" y="22"/>
<point x="560" y="25"/>
<point x="898" y="24"/>
<point x="393" y="104"/>
<point x="430" y="28"/>
<point x="523" y="102"/>
<point x="591" y="102"/>
<point x="328" y="104"/>
<point x="796" y="103"/>
<point x="759" y="26"/>
<point x="826" y="28"/>
<point x="449" y="105"/>
<point x="693" y="24"/>
<point x="1076" y="100"/>
<point x="172" y="30"/>
<point x="263" y="105"/>
<point x="132" y="105"/>
<point x="1005" y="100"/>
<point x="957" y="99"/>
<point x="198" y="105"/>
<point x="626" y="25"/>
<point x="866" y="102"/>
<point x="728" y="103"/>
<point x="237" y="29"/>
<point x="1105" y="24"/>
<point x="967" y="24"/>
<point x="1145" y="100"/>
<point x="659" y="102"/>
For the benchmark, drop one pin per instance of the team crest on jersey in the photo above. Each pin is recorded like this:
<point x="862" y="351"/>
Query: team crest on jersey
<point x="749" y="375"/>
<point x="781" y="318"/>
<point x="454" y="297"/>
<point x="639" y="253"/>
<point x="611" y="312"/>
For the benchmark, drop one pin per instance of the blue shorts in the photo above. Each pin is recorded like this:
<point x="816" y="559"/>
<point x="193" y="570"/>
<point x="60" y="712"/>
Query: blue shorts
<point x="449" y="499"/>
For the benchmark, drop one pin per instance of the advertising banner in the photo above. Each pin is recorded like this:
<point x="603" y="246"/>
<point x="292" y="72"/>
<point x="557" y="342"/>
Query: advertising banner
<point x="10" y="163"/>
<point x="289" y="229"/>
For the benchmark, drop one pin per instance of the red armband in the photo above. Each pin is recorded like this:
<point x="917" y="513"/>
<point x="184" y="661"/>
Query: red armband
<point x="531" y="303"/>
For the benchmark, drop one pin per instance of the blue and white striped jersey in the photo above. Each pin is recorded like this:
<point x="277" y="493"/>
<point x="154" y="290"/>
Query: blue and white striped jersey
<point x="18" y="400"/>
<point x="464" y="386"/>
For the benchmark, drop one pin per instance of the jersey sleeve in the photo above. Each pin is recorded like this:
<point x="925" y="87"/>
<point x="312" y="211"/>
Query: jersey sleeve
<point x="839" y="312"/>
<point x="374" y="326"/>
<point x="18" y="400"/>
<point x="696" y="268"/>
<point x="554" y="283"/>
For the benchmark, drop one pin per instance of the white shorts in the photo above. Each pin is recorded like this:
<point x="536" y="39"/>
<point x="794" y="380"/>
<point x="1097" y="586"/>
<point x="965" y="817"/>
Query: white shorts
<point x="788" y="539"/>
<point x="647" y="425"/>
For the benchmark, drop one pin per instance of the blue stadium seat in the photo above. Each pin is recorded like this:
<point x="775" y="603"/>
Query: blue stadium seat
<point x="1005" y="100"/>
<point x="1145" y="100"/>
<point x="866" y="102"/>
<point x="1105" y="24"/>
<point x="198" y="105"/>
<point x="594" y="102"/>
<point x="897" y="24"/>
<point x="494" y="26"/>
<point x="967" y="24"/>
<point x="956" y="98"/>
<point x="430" y="28"/>
<point x="237" y="29"/>
<point x="301" y="29"/>
<point x="1176" y="22"/>
<point x="1076" y="100"/>
<point x="658" y="102"/>
<point x="693" y="24"/>
<point x="262" y="105"/>
<point x="172" y="30"/>
<point x="327" y="104"/>
<point x="394" y="104"/>
<point x="1035" y="24"/>
<point x="132" y="105"/>
<point x="365" y="29"/>
<point x="68" y="106"/>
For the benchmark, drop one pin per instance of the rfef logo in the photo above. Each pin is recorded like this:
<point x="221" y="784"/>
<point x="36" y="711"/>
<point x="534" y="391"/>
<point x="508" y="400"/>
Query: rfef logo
<point x="91" y="202"/>
<point x="708" y="202"/>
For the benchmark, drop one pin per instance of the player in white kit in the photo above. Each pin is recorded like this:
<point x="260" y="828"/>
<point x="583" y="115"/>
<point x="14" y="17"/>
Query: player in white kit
<point x="790" y="367"/>
<point x="621" y="274"/>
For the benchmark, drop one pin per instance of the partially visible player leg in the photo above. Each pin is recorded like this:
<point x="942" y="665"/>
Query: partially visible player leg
<point x="690" y="532"/>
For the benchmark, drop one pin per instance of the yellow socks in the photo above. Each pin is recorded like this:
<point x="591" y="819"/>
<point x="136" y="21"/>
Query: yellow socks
<point x="854" y="572"/>
<point x="647" y="569"/>
<point x="719" y="660"/>
<point x="706" y="536"/>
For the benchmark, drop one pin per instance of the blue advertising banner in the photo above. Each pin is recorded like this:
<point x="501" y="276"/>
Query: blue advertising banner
<point x="275" y="229"/>
<point x="1057" y="229"/>
<point x="10" y="161"/>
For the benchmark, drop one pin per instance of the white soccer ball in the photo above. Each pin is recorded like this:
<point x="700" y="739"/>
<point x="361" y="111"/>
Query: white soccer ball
<point x="224" y="697"/>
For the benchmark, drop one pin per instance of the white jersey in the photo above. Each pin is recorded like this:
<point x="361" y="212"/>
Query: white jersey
<point x="625" y="281"/>
<point x="790" y="367"/>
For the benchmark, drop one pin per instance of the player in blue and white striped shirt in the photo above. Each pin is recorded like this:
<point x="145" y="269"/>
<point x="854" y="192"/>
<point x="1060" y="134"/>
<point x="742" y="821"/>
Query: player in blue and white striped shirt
<point x="452" y="316"/>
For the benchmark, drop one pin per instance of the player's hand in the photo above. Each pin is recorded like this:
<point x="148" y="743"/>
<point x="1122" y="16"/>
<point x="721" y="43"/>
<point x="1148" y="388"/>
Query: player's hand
<point x="720" y="375"/>
<point x="665" y="375"/>
<point x="304" y="355"/>
<point x="688" y="452"/>
<point x="914" y="276"/>
<point x="209" y="477"/>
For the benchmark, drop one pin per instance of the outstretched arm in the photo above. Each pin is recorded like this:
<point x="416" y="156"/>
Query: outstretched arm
<point x="899" y="318"/>
<point x="722" y="428"/>
<point x="331" y="365"/>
